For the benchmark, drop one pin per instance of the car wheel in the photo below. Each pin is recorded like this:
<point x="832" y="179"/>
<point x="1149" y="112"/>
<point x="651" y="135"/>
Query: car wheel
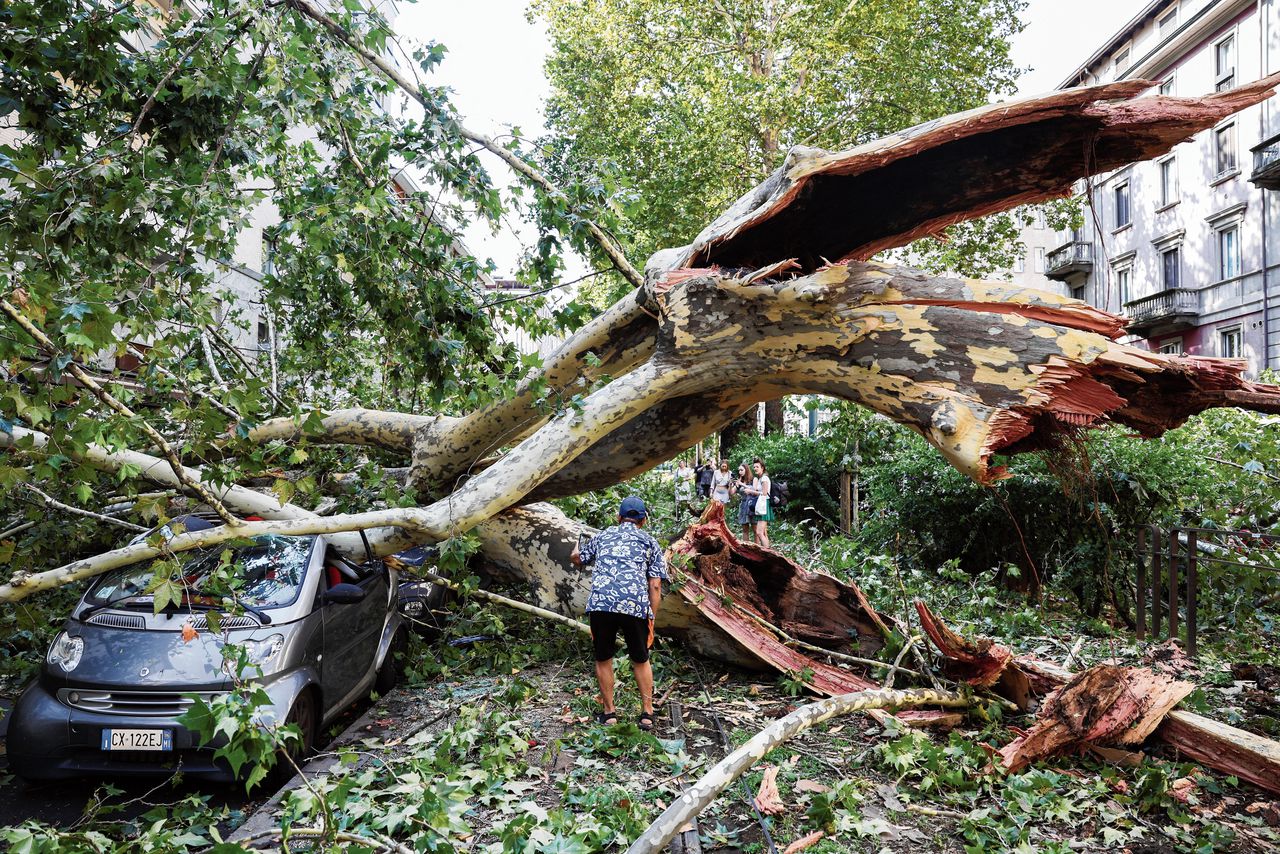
<point x="305" y="715"/>
<point x="393" y="664"/>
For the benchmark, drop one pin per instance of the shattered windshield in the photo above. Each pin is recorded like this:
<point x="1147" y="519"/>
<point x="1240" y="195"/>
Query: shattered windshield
<point x="266" y="574"/>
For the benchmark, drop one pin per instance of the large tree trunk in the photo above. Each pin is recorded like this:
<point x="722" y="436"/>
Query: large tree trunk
<point x="738" y="429"/>
<point x="775" y="417"/>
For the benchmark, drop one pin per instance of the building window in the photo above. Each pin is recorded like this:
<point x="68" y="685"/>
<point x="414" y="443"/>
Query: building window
<point x="1171" y="347"/>
<point x="1039" y="267"/>
<point x="1122" y="204"/>
<point x="1229" y="252"/>
<point x="1224" y="63"/>
<point x="1168" y="181"/>
<point x="1124" y="276"/>
<point x="1037" y="218"/>
<point x="1166" y="87"/>
<point x="1020" y="263"/>
<point x="1168" y="23"/>
<point x="264" y="335"/>
<point x="1122" y="61"/>
<point x="1077" y="293"/>
<point x="1225" y="149"/>
<point x="1171" y="268"/>
<point x="1231" y="343"/>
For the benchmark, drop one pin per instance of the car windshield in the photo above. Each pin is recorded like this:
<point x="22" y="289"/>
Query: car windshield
<point x="268" y="574"/>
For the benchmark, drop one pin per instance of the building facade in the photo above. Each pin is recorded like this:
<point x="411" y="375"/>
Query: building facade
<point x="1187" y="245"/>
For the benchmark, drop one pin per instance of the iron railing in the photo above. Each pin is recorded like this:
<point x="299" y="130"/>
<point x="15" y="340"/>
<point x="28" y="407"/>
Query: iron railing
<point x="1266" y="165"/>
<point x="1069" y="258"/>
<point x="1169" y="568"/>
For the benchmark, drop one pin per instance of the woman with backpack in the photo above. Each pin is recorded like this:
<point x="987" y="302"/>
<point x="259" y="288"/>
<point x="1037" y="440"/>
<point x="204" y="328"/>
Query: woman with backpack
<point x="762" y="512"/>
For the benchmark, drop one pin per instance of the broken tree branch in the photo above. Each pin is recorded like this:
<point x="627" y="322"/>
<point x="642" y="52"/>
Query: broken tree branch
<point x="509" y="603"/>
<point x="699" y="796"/>
<point x="50" y="501"/>
<point x="1219" y="746"/>
<point x="179" y="470"/>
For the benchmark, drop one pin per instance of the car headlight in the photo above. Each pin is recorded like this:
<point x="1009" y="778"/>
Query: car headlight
<point x="66" y="651"/>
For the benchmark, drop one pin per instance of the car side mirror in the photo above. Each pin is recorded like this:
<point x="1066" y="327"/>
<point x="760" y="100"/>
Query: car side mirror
<point x="343" y="594"/>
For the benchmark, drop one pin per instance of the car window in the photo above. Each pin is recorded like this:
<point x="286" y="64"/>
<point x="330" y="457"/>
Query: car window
<point x="344" y="570"/>
<point x="269" y="574"/>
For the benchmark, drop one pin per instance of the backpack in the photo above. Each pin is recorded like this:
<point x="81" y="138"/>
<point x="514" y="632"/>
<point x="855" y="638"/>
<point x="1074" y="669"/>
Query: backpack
<point x="779" y="493"/>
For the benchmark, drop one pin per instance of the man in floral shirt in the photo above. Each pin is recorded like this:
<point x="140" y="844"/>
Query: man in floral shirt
<point x="626" y="587"/>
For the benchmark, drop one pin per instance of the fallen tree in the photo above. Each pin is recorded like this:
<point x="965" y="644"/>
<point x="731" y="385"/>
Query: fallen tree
<point x="752" y="310"/>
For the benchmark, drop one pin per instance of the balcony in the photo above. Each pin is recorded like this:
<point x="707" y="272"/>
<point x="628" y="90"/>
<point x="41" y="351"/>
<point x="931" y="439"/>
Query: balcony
<point x="1266" y="165"/>
<point x="1170" y="309"/>
<point x="1069" y="259"/>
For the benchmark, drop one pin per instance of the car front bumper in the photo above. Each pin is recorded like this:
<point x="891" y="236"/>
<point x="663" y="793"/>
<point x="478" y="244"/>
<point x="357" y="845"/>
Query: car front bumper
<point x="48" y="740"/>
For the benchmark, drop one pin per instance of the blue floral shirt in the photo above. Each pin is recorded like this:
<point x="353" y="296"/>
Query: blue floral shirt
<point x="624" y="559"/>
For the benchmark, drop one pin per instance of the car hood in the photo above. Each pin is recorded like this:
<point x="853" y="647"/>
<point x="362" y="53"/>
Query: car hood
<point x="151" y="660"/>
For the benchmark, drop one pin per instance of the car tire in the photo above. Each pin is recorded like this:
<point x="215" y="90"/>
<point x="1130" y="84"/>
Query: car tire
<point x="392" y="668"/>
<point x="305" y="714"/>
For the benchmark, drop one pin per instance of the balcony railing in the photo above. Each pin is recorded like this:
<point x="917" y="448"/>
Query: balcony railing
<point x="1074" y="257"/>
<point x="1266" y="165"/>
<point x="1179" y="306"/>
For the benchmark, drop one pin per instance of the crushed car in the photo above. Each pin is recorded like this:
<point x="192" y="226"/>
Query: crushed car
<point x="319" y="630"/>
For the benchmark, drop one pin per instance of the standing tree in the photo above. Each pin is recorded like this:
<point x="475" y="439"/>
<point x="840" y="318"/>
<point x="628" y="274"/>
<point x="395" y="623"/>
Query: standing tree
<point x="704" y="100"/>
<point x="126" y="186"/>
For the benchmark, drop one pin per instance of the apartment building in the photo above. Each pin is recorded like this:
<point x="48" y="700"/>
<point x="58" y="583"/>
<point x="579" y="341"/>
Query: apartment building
<point x="1031" y="266"/>
<point x="1187" y="246"/>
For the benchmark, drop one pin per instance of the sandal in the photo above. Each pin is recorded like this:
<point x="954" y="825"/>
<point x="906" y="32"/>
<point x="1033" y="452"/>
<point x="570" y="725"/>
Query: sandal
<point x="645" y="721"/>
<point x="607" y="718"/>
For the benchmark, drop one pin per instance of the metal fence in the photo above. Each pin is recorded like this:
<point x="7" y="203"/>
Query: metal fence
<point x="1170" y="566"/>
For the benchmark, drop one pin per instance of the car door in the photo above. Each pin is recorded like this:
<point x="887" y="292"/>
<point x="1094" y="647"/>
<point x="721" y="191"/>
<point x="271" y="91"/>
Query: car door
<point x="351" y="632"/>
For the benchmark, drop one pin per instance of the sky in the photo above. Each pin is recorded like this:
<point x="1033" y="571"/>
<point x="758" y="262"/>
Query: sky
<point x="495" y="57"/>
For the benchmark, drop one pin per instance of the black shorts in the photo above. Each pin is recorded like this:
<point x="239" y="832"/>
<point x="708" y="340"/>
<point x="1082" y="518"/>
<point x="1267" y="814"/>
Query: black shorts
<point x="604" y="635"/>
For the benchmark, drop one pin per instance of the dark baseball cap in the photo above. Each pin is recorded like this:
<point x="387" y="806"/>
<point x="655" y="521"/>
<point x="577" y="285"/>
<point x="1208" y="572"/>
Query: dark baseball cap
<point x="632" y="508"/>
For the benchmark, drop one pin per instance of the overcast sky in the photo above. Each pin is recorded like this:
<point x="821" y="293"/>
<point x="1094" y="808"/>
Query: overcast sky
<point x="494" y="66"/>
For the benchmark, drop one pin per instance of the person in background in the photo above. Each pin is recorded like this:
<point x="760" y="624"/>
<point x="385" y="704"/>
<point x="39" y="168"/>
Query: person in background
<point x="720" y="482"/>
<point x="684" y="489"/>
<point x="705" y="475"/>
<point x="628" y="568"/>
<point x="741" y="488"/>
<point x="762" y="512"/>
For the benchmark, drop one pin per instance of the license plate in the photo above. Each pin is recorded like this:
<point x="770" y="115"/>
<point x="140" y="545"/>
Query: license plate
<point x="137" y="739"/>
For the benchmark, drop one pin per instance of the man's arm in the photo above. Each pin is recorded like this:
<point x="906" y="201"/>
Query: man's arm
<point x="655" y="594"/>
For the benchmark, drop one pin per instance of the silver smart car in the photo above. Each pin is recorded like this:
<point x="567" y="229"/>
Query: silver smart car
<point x="323" y="630"/>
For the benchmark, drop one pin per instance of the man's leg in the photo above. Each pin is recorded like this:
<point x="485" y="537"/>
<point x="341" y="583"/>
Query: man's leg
<point x="644" y="681"/>
<point x="604" y="635"/>
<point x="604" y="675"/>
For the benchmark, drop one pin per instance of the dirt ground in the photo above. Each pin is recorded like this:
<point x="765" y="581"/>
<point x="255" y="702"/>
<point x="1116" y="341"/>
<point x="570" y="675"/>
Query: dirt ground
<point x="866" y="788"/>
